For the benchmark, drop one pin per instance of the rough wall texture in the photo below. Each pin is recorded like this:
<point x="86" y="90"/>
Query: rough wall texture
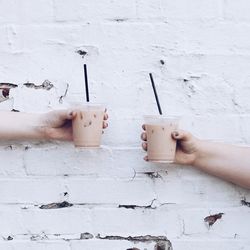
<point x="199" y="53"/>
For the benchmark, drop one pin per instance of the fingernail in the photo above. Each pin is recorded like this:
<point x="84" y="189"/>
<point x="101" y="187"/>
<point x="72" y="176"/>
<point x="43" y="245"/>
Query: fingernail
<point x="176" y="134"/>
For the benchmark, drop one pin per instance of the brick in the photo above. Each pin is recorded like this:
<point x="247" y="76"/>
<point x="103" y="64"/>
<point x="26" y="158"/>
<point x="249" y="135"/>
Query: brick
<point x="26" y="12"/>
<point x="111" y="245"/>
<point x="39" y="245"/>
<point x="11" y="161"/>
<point x="233" y="223"/>
<point x="210" y="244"/>
<point x="180" y="10"/>
<point x="104" y="221"/>
<point x="236" y="12"/>
<point x="33" y="191"/>
<point x="94" y="10"/>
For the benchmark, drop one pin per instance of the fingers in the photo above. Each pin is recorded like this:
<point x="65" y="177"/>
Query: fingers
<point x="73" y="113"/>
<point x="106" y="116"/>
<point x="144" y="146"/>
<point x="70" y="114"/>
<point x="181" y="135"/>
<point x="105" y="125"/>
<point x="144" y="136"/>
<point x="65" y="114"/>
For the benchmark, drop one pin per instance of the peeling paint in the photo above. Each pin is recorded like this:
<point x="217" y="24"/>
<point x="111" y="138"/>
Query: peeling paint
<point x="136" y="206"/>
<point x="118" y="20"/>
<point x="47" y="85"/>
<point x="38" y="237"/>
<point x="56" y="205"/>
<point x="245" y="203"/>
<point x="64" y="95"/>
<point x="161" y="246"/>
<point x="8" y="85"/>
<point x="8" y="238"/>
<point x="87" y="50"/>
<point x="81" y="52"/>
<point x="153" y="175"/>
<point x="211" y="219"/>
<point x="9" y="147"/>
<point x="146" y="238"/>
<point x="5" y="90"/>
<point x="86" y="236"/>
<point x="15" y="110"/>
<point x="162" y="62"/>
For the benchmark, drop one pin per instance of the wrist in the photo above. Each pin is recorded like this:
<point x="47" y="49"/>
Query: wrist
<point x="40" y="127"/>
<point x="198" y="154"/>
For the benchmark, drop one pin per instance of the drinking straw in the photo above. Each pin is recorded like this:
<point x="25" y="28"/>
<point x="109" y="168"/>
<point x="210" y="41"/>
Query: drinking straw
<point x="156" y="96"/>
<point x="86" y="83"/>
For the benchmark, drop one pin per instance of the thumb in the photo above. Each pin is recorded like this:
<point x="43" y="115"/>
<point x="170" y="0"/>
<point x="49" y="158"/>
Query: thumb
<point x="66" y="114"/>
<point x="181" y="135"/>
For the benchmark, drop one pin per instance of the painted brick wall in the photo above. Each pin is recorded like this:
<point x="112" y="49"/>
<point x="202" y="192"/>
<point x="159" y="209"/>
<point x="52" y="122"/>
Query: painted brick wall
<point x="199" y="53"/>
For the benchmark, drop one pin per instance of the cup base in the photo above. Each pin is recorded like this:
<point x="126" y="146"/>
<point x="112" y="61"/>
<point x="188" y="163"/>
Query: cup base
<point x="161" y="161"/>
<point x="87" y="147"/>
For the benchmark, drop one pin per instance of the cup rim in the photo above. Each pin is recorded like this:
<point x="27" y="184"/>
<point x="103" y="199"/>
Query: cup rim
<point x="87" y="104"/>
<point x="157" y="117"/>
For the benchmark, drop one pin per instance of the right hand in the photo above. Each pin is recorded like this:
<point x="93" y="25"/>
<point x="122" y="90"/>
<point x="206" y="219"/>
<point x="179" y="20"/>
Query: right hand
<point x="186" y="150"/>
<point x="57" y="124"/>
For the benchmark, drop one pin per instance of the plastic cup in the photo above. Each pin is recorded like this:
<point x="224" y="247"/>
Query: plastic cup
<point x="88" y="125"/>
<point x="161" y="147"/>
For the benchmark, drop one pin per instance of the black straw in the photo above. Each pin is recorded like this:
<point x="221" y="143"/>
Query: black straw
<point x="156" y="96"/>
<point x="86" y="82"/>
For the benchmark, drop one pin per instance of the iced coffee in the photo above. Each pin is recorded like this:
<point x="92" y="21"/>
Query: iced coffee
<point x="87" y="125"/>
<point x="161" y="147"/>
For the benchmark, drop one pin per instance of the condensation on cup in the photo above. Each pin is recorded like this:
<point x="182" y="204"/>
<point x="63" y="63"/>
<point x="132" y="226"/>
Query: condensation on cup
<point x="161" y="147"/>
<point x="88" y="125"/>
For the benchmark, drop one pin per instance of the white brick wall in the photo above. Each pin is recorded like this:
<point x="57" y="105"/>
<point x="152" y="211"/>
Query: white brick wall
<point x="113" y="191"/>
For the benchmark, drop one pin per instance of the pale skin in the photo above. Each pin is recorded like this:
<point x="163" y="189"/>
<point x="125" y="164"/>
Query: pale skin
<point x="229" y="162"/>
<point x="54" y="125"/>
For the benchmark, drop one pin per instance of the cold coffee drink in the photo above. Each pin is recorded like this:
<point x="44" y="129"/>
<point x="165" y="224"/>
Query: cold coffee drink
<point x="87" y="125"/>
<point x="161" y="147"/>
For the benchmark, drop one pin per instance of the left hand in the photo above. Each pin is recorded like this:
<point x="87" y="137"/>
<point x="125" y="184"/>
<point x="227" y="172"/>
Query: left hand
<point x="186" y="148"/>
<point x="57" y="124"/>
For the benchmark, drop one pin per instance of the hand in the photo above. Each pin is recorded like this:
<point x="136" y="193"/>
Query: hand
<point x="187" y="146"/>
<point x="57" y="125"/>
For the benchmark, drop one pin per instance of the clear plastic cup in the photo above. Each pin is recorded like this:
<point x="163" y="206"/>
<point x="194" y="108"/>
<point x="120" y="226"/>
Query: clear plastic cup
<point x="161" y="147"/>
<point x="88" y="125"/>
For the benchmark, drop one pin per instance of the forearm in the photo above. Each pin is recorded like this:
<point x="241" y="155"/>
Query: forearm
<point x="20" y="126"/>
<point x="231" y="163"/>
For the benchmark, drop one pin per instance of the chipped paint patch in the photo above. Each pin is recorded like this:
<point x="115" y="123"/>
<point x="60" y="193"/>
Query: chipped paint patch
<point x="47" y="85"/>
<point x="56" y="205"/>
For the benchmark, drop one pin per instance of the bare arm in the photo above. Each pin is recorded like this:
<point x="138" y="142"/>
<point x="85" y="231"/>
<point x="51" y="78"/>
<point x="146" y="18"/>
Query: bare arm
<point x="26" y="126"/>
<point x="231" y="163"/>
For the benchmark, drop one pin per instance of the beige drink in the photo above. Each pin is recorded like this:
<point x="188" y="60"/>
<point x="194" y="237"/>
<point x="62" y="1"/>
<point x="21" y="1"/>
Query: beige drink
<point x="87" y="125"/>
<point x="161" y="145"/>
